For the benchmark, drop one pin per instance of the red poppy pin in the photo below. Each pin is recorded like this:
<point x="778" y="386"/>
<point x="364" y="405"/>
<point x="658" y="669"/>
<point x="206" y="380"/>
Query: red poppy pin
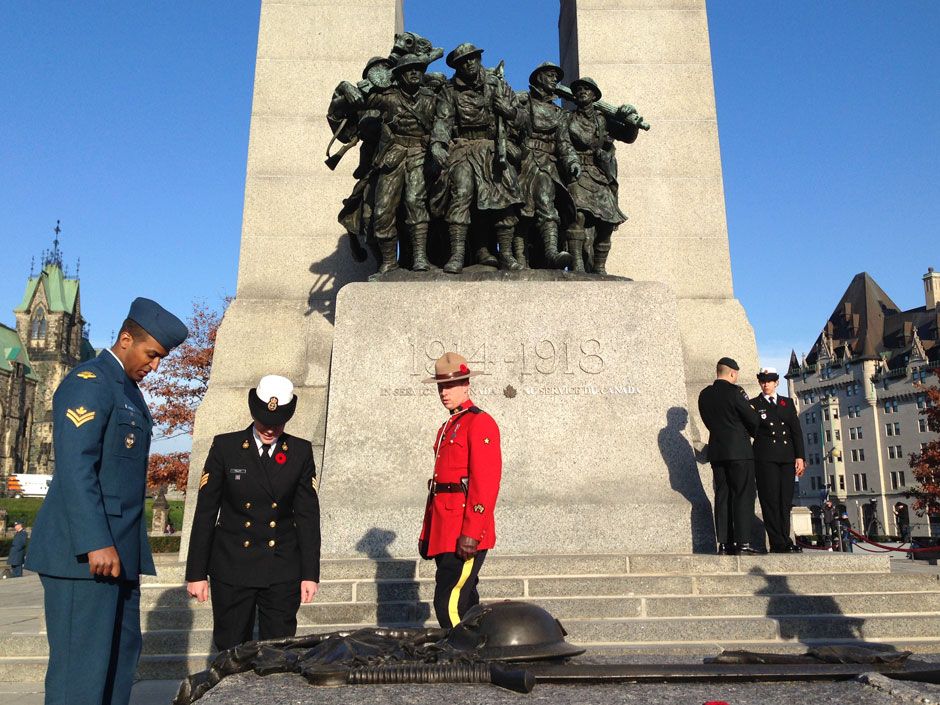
<point x="280" y="458"/>
<point x="464" y="369"/>
<point x="783" y="402"/>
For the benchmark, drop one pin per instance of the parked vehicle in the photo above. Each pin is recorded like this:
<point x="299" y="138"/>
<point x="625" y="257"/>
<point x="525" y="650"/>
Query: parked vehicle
<point x="28" y="485"/>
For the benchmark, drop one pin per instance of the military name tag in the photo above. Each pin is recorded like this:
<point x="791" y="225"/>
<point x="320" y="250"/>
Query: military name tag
<point x="237" y="473"/>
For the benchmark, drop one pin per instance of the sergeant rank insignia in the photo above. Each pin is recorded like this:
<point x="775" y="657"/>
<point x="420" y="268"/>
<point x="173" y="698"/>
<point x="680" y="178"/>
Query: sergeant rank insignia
<point x="203" y="480"/>
<point x="86" y="375"/>
<point x="79" y="416"/>
<point x="478" y="508"/>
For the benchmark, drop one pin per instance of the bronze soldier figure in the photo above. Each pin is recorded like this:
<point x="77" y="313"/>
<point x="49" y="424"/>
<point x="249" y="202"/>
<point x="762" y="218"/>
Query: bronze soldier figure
<point x="352" y="125"/>
<point x="472" y="108"/>
<point x="407" y="112"/>
<point x="595" y="190"/>
<point x="545" y="144"/>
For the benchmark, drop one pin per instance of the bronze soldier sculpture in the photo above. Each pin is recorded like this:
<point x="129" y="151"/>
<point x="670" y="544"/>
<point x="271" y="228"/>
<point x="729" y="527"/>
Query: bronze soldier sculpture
<point x="407" y="112"/>
<point x="546" y="143"/>
<point x="472" y="109"/>
<point x="595" y="190"/>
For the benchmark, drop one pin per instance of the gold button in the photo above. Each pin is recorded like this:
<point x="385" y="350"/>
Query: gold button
<point x="271" y="543"/>
<point x="247" y="505"/>
<point x="435" y="474"/>
<point x="247" y="524"/>
<point x="273" y="505"/>
<point x="272" y="524"/>
<point x="247" y="544"/>
<point x="463" y="505"/>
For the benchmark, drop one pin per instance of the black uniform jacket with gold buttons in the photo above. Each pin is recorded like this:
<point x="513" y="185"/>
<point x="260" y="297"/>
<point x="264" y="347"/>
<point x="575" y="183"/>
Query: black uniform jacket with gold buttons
<point x="778" y="438"/>
<point x="256" y="524"/>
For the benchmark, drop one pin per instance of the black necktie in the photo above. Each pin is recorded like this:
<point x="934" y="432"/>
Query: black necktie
<point x="265" y="447"/>
<point x="773" y="401"/>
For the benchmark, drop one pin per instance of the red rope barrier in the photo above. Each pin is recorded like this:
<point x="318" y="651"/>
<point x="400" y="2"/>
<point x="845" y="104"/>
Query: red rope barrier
<point x="862" y="537"/>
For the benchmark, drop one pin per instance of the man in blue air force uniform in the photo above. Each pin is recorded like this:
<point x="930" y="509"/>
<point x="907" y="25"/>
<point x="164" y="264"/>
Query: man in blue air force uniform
<point x="89" y="543"/>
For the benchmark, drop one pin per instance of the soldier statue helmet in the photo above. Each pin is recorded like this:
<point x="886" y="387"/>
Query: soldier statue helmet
<point x="408" y="61"/>
<point x="545" y="66"/>
<point x="462" y="52"/>
<point x="590" y="83"/>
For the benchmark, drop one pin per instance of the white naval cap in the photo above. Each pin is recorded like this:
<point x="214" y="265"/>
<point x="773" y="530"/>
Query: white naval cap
<point x="275" y="386"/>
<point x="768" y="371"/>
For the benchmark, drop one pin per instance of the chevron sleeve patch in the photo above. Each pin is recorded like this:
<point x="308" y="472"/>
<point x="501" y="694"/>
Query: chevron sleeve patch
<point x="79" y="416"/>
<point x="203" y="480"/>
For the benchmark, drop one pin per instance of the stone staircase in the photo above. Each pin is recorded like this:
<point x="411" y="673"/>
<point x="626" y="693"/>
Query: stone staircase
<point x="612" y="603"/>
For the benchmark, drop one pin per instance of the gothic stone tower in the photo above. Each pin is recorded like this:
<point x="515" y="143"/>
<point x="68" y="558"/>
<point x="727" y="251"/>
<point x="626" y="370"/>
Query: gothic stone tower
<point x="50" y="325"/>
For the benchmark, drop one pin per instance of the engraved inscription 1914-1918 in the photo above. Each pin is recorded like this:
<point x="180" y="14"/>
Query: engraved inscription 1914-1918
<point x="473" y="172"/>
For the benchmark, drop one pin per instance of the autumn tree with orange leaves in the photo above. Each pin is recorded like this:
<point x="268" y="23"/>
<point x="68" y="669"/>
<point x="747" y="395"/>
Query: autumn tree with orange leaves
<point x="926" y="463"/>
<point x="176" y="390"/>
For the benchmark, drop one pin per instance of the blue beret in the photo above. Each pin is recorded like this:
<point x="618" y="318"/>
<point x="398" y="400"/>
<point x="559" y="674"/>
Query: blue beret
<point x="162" y="325"/>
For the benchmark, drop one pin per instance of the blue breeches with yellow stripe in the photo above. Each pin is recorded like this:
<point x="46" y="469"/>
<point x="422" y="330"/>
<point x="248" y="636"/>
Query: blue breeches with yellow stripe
<point x="456" y="588"/>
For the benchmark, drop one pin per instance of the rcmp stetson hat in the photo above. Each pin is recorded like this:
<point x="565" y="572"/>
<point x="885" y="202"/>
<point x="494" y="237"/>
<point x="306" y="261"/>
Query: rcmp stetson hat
<point x="767" y="374"/>
<point x="408" y="60"/>
<point x="450" y="367"/>
<point x="462" y="51"/>
<point x="545" y="66"/>
<point x="376" y="60"/>
<point x="590" y="83"/>
<point x="273" y="401"/>
<point x="162" y="325"/>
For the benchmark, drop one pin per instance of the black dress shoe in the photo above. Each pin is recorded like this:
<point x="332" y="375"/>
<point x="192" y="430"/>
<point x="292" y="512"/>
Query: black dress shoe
<point x="793" y="548"/>
<point x="746" y="549"/>
<point x="726" y="549"/>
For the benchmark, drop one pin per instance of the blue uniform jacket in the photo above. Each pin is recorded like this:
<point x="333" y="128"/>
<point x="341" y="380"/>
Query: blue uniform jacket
<point x="17" y="548"/>
<point x="101" y="435"/>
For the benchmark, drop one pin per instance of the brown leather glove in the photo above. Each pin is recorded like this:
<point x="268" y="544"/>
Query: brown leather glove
<point x="466" y="547"/>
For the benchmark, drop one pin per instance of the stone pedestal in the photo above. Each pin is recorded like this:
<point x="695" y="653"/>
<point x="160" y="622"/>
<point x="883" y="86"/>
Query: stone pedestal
<point x="584" y="378"/>
<point x="294" y="259"/>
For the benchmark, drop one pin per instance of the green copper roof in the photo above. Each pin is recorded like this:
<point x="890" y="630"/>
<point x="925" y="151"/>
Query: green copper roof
<point x="12" y="350"/>
<point x="61" y="293"/>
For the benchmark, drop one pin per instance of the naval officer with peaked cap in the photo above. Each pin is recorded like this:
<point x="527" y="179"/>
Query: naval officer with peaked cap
<point x="255" y="539"/>
<point x="89" y="542"/>
<point x="778" y="459"/>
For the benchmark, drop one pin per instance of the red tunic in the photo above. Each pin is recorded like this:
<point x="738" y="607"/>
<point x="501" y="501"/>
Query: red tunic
<point x="466" y="446"/>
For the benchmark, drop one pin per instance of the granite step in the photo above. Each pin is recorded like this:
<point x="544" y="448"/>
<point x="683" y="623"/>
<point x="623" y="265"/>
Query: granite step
<point x="154" y="595"/>
<point x="657" y="631"/>
<point x="322" y="615"/>
<point x="580" y="564"/>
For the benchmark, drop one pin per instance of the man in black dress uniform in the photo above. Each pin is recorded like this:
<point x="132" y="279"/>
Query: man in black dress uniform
<point x="778" y="457"/>
<point x="256" y="530"/>
<point x="731" y="421"/>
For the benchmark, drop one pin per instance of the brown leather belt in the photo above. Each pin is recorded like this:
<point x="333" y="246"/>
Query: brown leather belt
<point x="446" y="487"/>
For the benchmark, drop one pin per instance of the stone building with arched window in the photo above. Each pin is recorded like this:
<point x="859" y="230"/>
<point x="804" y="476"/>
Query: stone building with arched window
<point x="49" y="340"/>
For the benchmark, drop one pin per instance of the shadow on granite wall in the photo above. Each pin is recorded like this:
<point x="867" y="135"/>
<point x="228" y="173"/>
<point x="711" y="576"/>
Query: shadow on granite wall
<point x="332" y="273"/>
<point x="679" y="457"/>
<point x="398" y="600"/>
<point x="811" y="619"/>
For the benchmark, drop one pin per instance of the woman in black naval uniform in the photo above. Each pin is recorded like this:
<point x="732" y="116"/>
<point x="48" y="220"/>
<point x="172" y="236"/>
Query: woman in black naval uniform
<point x="256" y="530"/>
<point x="778" y="459"/>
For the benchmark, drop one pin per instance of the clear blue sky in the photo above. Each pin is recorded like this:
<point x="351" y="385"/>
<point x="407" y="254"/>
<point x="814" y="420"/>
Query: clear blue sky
<point x="129" y="122"/>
